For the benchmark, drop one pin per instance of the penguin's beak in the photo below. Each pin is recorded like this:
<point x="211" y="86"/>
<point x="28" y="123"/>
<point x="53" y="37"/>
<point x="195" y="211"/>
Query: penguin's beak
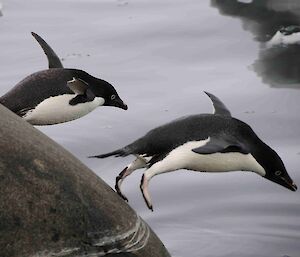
<point x="122" y="105"/>
<point x="284" y="181"/>
<point x="118" y="103"/>
<point x="291" y="185"/>
<point x="294" y="186"/>
<point x="288" y="184"/>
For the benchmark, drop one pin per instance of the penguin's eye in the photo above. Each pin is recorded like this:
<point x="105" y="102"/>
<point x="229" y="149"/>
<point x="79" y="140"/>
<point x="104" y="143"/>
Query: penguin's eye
<point x="278" y="173"/>
<point x="113" y="97"/>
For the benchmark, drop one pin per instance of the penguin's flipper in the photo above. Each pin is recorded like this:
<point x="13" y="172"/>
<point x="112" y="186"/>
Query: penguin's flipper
<point x="82" y="91"/>
<point x="221" y="145"/>
<point x="53" y="60"/>
<point x="219" y="107"/>
<point x="79" y="99"/>
<point x="78" y="86"/>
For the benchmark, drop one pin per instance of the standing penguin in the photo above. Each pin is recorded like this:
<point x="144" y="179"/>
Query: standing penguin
<point x="204" y="142"/>
<point x="58" y="94"/>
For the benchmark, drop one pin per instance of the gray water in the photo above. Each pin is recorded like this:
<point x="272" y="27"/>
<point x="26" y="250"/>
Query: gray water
<point x="161" y="55"/>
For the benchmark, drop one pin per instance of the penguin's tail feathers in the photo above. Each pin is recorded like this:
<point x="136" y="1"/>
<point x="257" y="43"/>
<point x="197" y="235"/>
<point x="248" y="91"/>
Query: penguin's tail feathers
<point x="118" y="153"/>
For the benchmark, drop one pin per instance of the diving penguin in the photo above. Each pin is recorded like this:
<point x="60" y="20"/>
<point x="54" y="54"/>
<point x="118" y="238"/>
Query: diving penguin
<point x="58" y="94"/>
<point x="204" y="142"/>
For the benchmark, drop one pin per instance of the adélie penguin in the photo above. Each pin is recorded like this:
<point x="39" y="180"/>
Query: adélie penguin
<point x="204" y="142"/>
<point x="58" y="94"/>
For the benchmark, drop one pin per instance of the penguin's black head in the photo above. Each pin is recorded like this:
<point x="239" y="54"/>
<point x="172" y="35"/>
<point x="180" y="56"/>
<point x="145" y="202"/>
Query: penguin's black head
<point x="275" y="170"/>
<point x="110" y="95"/>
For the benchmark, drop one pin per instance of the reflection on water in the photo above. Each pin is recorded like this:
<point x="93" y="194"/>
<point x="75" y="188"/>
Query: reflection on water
<point x="279" y="66"/>
<point x="1" y="6"/>
<point x="275" y="25"/>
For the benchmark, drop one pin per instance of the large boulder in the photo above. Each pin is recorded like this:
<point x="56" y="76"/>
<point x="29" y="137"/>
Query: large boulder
<point x="53" y="205"/>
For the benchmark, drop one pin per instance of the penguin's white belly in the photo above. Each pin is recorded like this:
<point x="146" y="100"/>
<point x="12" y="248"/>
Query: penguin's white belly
<point x="57" y="109"/>
<point x="183" y="157"/>
<point x="222" y="162"/>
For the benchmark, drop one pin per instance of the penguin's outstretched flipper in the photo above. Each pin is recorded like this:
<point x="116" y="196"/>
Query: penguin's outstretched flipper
<point x="53" y="60"/>
<point x="220" y="108"/>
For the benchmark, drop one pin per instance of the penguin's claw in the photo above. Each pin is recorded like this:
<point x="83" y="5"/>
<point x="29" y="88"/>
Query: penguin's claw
<point x="123" y="197"/>
<point x="150" y="207"/>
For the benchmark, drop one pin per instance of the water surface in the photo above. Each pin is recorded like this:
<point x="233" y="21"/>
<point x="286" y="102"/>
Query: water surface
<point x="161" y="56"/>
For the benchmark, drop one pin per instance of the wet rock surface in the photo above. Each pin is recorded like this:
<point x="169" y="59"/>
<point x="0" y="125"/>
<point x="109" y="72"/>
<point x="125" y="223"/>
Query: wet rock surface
<point x="53" y="205"/>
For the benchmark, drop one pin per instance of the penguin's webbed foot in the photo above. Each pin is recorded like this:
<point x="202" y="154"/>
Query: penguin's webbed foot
<point x="119" y="180"/>
<point x="118" y="190"/>
<point x="145" y="192"/>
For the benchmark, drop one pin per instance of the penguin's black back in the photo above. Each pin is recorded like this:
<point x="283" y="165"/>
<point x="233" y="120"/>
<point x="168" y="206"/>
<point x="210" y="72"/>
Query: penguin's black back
<point x="37" y="87"/>
<point x="164" y="139"/>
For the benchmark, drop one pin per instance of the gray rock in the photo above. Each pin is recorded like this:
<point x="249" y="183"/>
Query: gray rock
<point x="53" y="205"/>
